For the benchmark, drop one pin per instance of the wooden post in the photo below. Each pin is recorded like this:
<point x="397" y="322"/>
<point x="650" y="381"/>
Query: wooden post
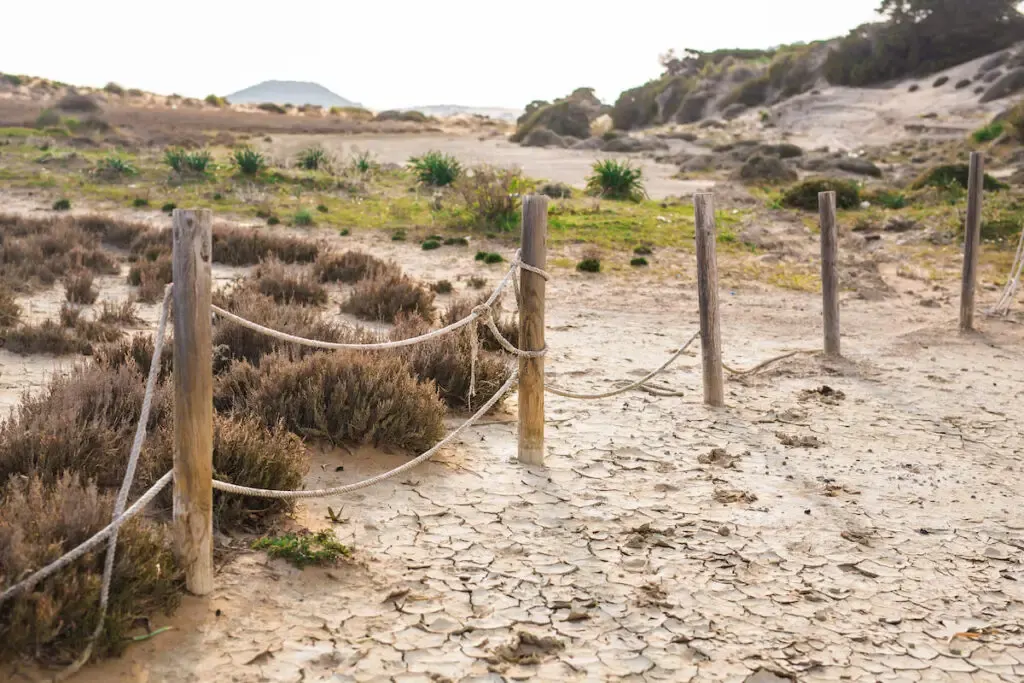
<point x="972" y="240"/>
<point x="829" y="274"/>
<point x="193" y="398"/>
<point x="707" y="297"/>
<point x="531" y="331"/>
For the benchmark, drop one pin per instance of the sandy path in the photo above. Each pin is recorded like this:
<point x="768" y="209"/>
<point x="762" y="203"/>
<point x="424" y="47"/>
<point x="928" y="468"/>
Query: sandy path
<point x="859" y="558"/>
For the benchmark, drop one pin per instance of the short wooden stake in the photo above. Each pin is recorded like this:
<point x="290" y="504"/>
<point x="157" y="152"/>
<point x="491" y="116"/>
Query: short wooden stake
<point x="193" y="398"/>
<point x="972" y="240"/>
<point x="531" y="331"/>
<point x="829" y="274"/>
<point x="707" y="298"/>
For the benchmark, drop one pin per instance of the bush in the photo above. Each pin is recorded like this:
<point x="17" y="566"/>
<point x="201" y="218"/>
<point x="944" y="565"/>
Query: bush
<point x="643" y="250"/>
<point x="53" y="622"/>
<point x="304" y="548"/>
<point x="114" y="167"/>
<point x="69" y="315"/>
<point x="364" y="163"/>
<point x="429" y="245"/>
<point x="215" y="101"/>
<point x="272" y="108"/>
<point x="322" y="208"/>
<point x="435" y="168"/>
<point x="491" y="196"/>
<point x="313" y="158"/>
<point x="95" y="331"/>
<point x="151" y="276"/>
<point x="350" y="266"/>
<point x="556" y="190"/>
<point x="342" y="397"/>
<point x="249" y="161"/>
<point x="989" y="132"/>
<point x="589" y="265"/>
<point x="140" y="202"/>
<point x="508" y="325"/>
<point x="448" y="360"/>
<point x="477" y="282"/>
<point x="136" y="354"/>
<point x="639" y="261"/>
<point x="751" y="93"/>
<point x="37" y="250"/>
<point x="287" y="285"/>
<point x="124" y="313"/>
<point x="46" y="337"/>
<point x="406" y="116"/>
<point x="564" y="117"/>
<point x="246" y="247"/>
<point x="79" y="289"/>
<point x="62" y="205"/>
<point x="387" y="296"/>
<point x="182" y="161"/>
<point x="10" y="311"/>
<point x="442" y="287"/>
<point x="456" y="242"/>
<point x="493" y="258"/>
<point x="398" y="235"/>
<point x="954" y="174"/>
<point x="616" y="180"/>
<point x="113" y="89"/>
<point x="303" y="218"/>
<point x="804" y="195"/>
<point x="169" y="207"/>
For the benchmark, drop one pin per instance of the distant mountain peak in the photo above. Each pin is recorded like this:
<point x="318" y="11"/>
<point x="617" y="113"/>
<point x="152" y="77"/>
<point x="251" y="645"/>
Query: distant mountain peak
<point x="290" y="92"/>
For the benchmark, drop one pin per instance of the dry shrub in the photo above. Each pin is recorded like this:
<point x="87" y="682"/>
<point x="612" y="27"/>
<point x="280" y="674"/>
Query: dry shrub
<point x="69" y="315"/>
<point x="124" y="313"/>
<point x="448" y="362"/>
<point x="491" y="196"/>
<point x="45" y="337"/>
<point x="36" y="251"/>
<point x="136" y="354"/>
<point x="10" y="311"/>
<point x="79" y="289"/>
<point x="83" y="422"/>
<point x="351" y="266"/>
<point x="42" y="519"/>
<point x="288" y="285"/>
<point x="386" y="297"/>
<point x="243" y="343"/>
<point x="343" y="397"/>
<point x="151" y="277"/>
<point x="96" y="331"/>
<point x="247" y="247"/>
<point x="508" y="325"/>
<point x="115" y="231"/>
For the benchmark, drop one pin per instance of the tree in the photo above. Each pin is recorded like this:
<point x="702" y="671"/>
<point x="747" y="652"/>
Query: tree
<point x="950" y="12"/>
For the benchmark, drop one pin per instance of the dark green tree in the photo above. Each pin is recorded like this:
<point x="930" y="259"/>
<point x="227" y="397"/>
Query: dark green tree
<point x="950" y="12"/>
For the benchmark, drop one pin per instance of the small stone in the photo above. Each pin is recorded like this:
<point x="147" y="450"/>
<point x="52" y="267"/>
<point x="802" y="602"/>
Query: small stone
<point x="723" y="530"/>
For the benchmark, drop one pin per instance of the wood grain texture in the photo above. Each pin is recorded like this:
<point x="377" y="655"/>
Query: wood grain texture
<point x="193" y="398"/>
<point x="531" y="331"/>
<point x="707" y="298"/>
<point x="972" y="241"/>
<point x="829" y="271"/>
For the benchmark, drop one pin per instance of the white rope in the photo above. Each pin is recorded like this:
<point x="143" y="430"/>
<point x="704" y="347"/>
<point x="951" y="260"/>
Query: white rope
<point x="126" y="483"/>
<point x="630" y="387"/>
<point x="1013" y="282"/>
<point x="347" y="488"/>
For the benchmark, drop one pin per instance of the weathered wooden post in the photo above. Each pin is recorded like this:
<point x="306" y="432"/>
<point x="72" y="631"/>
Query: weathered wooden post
<point x="531" y="330"/>
<point x="707" y="298"/>
<point x="193" y="398"/>
<point x="972" y="240"/>
<point x="829" y="274"/>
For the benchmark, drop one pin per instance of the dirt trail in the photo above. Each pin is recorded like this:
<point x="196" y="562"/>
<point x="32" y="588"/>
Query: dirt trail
<point x="858" y="558"/>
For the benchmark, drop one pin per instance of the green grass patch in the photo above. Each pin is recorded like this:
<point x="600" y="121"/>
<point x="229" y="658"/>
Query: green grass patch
<point x="435" y="169"/>
<point x="304" y="549"/>
<point x="589" y="265"/>
<point x="62" y="205"/>
<point x="988" y="133"/>
<point x="638" y="262"/>
<point x="614" y="179"/>
<point x="493" y="258"/>
<point x="429" y="245"/>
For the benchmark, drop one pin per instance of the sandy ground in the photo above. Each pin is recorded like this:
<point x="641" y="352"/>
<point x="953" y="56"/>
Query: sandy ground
<point x="858" y="555"/>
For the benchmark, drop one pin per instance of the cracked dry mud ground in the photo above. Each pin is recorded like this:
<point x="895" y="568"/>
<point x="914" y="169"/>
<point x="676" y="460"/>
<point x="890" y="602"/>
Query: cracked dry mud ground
<point x="857" y="559"/>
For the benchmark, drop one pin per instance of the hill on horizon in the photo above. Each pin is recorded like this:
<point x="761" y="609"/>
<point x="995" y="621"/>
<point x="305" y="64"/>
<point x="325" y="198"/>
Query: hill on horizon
<point x="290" y="92"/>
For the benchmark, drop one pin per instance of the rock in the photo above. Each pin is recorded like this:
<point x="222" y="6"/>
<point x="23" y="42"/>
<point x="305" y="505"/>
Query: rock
<point x="681" y="135"/>
<point x="994" y="62"/>
<point x="960" y="85"/>
<point x="992" y="76"/>
<point x="556" y="190"/>
<point x="914" y="88"/>
<point x="734" y="111"/>
<point x="940" y="81"/>
<point x="1009" y="84"/>
<point x="589" y="144"/>
<point x="630" y="144"/>
<point x="980" y="89"/>
<point x="712" y="123"/>
<point x="783" y="150"/>
<point x="693" y="107"/>
<point x="697" y="163"/>
<point x="542" y="137"/>
<point x="601" y="125"/>
<point x="859" y="167"/>
<point x="899" y="224"/>
<point x="766" y="169"/>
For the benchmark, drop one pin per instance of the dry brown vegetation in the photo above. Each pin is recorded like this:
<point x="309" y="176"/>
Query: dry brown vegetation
<point x="351" y="266"/>
<point x="79" y="288"/>
<point x="288" y="285"/>
<point x="10" y="311"/>
<point x="388" y="296"/>
<point x="35" y="252"/>
<point x="47" y="337"/>
<point x="124" y="313"/>
<point x="508" y="324"/>
<point x="249" y="246"/>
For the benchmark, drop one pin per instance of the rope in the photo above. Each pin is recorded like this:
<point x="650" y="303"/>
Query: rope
<point x="1013" y="282"/>
<point x="633" y="385"/>
<point x="763" y="364"/>
<point x="126" y="483"/>
<point x="347" y="488"/>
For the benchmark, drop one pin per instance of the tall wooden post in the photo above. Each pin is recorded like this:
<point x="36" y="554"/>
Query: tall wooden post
<point x="707" y="298"/>
<point x="531" y="331"/>
<point x="193" y="398"/>
<point x="829" y="274"/>
<point x="972" y="240"/>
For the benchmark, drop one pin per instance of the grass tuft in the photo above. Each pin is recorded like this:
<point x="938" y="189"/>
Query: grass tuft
<point x="62" y="205"/>
<point x="435" y="168"/>
<point x="288" y="285"/>
<point x="989" y="132"/>
<point x="303" y="218"/>
<point x="387" y="296"/>
<point x="350" y="266"/>
<point x="313" y="158"/>
<point x="615" y="179"/>
<point x="589" y="265"/>
<point x="249" y="161"/>
<point x="304" y="548"/>
<point x="430" y="245"/>
<point x="79" y="289"/>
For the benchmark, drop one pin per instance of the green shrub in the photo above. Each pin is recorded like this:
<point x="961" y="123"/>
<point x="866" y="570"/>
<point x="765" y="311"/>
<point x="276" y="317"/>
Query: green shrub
<point x="344" y="232"/>
<point x="364" y="163"/>
<point x="322" y="208"/>
<point x="303" y="217"/>
<point x="954" y="174"/>
<point x="140" y="202"/>
<point x="456" y="242"/>
<point x="169" y="207"/>
<point x="398" y="235"/>
<point x="114" y="89"/>
<point x="638" y="261"/>
<point x="589" y="265"/>
<point x="643" y="250"/>
<point x="491" y="195"/>
<point x="751" y="93"/>
<point x="804" y="195"/>
<point x="343" y="397"/>
<point x="616" y="180"/>
<point x="62" y="205"/>
<point x="249" y="161"/>
<point x="492" y="258"/>
<point x="215" y="101"/>
<point x="313" y="158"/>
<point x="388" y="296"/>
<point x="114" y="166"/>
<point x="480" y="256"/>
<point x="889" y="199"/>
<point x="429" y="245"/>
<point x="411" y="116"/>
<point x="272" y="108"/>
<point x="273" y="220"/>
<point x="48" y="118"/>
<point x="988" y="132"/>
<point x="435" y="168"/>
<point x="304" y="548"/>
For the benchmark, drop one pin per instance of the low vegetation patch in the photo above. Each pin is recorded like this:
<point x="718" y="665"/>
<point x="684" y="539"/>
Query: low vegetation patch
<point x="182" y="161"/>
<point x="429" y="245"/>
<point x="10" y="311"/>
<point x="124" y="313"/>
<point x="350" y="266"/>
<point x="248" y="161"/>
<point x="289" y="285"/>
<point x="638" y="262"/>
<point x="246" y="247"/>
<point x="151" y="276"/>
<point x="113" y="167"/>
<point x="313" y="158"/>
<point x="442" y="287"/>
<point x="47" y="337"/>
<point x="303" y="218"/>
<point x="989" y="132"/>
<point x="804" y="195"/>
<point x="589" y="265"/>
<point x="303" y="549"/>
<point x="508" y="325"/>
<point x="62" y="205"/>
<point x="385" y="297"/>
<point x="954" y="174"/>
<point x="79" y="288"/>
<point x="490" y="196"/>
<point x="615" y="179"/>
<point x="435" y="168"/>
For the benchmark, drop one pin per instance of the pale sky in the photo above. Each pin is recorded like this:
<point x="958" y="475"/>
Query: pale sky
<point x="400" y="52"/>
